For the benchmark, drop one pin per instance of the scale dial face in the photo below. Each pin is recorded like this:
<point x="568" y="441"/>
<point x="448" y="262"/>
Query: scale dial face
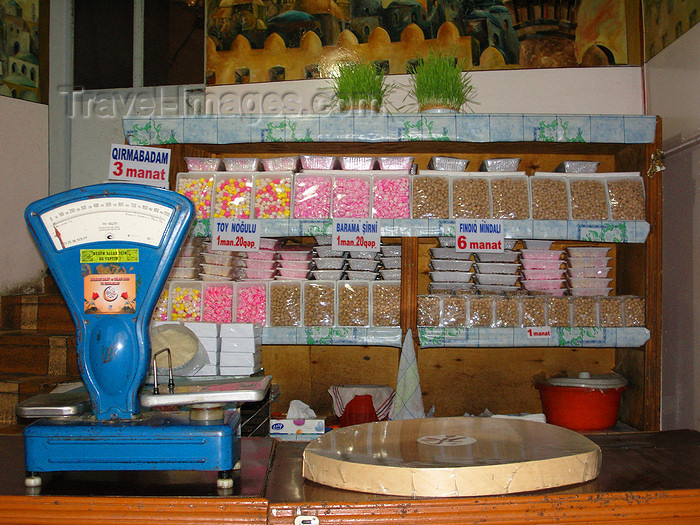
<point x="106" y="219"/>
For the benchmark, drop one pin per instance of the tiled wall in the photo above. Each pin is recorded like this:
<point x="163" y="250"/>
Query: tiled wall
<point x="211" y="129"/>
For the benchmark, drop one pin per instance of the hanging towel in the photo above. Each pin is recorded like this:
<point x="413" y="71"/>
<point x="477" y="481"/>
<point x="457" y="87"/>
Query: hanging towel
<point x="408" y="403"/>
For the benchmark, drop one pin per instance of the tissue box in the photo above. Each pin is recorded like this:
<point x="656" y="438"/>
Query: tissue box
<point x="295" y="437"/>
<point x="298" y="426"/>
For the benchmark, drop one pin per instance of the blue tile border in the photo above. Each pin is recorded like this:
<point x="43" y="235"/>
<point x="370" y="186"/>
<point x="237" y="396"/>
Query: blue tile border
<point x="462" y="127"/>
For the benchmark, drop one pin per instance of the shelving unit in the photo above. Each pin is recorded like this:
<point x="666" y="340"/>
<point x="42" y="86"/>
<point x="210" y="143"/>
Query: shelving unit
<point x="458" y="376"/>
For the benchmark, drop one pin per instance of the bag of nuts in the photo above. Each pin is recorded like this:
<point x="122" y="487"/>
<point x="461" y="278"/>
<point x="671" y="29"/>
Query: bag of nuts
<point x="559" y="311"/>
<point x="471" y="197"/>
<point x="533" y="310"/>
<point x="431" y="196"/>
<point x="428" y="310"/>
<point x="626" y="194"/>
<point x="610" y="310"/>
<point x="635" y="311"/>
<point x="510" y="196"/>
<point x="319" y="303"/>
<point x="480" y="310"/>
<point x="285" y="303"/>
<point x="550" y="197"/>
<point x="507" y="311"/>
<point x="589" y="199"/>
<point x="386" y="303"/>
<point x="353" y="303"/>
<point x="454" y="311"/>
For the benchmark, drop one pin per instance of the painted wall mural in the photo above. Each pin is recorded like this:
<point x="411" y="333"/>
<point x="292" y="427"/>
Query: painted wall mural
<point x="270" y="40"/>
<point x="665" y="21"/>
<point x="19" y="49"/>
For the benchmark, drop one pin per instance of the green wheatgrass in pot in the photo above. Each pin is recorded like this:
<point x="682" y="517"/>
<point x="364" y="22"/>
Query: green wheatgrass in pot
<point x="438" y="82"/>
<point x="359" y="85"/>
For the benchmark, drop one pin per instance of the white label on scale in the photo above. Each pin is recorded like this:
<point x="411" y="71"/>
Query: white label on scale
<point x="479" y="235"/>
<point x="238" y="235"/>
<point x="150" y="166"/>
<point x="356" y="235"/>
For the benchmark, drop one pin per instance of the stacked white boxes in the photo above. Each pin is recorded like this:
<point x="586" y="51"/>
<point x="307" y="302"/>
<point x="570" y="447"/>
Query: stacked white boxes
<point x="240" y="349"/>
<point x="208" y="335"/>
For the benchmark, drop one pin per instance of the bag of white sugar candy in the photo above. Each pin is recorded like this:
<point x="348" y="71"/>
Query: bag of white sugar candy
<point x="187" y="354"/>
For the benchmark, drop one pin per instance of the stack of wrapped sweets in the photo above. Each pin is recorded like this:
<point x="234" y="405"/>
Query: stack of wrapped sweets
<point x="328" y="264"/>
<point x="240" y="352"/>
<point x="363" y="266"/>
<point x="261" y="264"/>
<point x="587" y="269"/>
<point x="294" y="261"/>
<point x="451" y="271"/>
<point x="543" y="268"/>
<point x="187" y="262"/>
<point x="218" y="265"/>
<point x="184" y="268"/>
<point x="390" y="260"/>
<point x="497" y="272"/>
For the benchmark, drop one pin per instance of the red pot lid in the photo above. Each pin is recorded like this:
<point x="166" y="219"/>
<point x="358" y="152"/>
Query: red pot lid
<point x="586" y="380"/>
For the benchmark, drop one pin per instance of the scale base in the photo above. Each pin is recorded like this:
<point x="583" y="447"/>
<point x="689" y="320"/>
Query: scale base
<point x="156" y="441"/>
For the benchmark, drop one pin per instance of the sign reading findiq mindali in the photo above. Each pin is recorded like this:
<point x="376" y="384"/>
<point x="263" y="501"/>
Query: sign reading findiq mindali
<point x="479" y="235"/>
<point x="139" y="164"/>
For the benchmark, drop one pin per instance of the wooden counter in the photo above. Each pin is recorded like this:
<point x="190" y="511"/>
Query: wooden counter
<point x="645" y="477"/>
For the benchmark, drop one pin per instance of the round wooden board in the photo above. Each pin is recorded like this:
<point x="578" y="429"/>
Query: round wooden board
<point x="445" y="457"/>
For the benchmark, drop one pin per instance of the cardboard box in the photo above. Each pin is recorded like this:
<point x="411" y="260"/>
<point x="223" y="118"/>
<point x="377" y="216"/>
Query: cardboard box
<point x="240" y="345"/>
<point x="245" y="330"/>
<point x="208" y="370"/>
<point x="203" y="329"/>
<point x="210" y="344"/>
<point x="298" y="426"/>
<point x="241" y="359"/>
<point x="239" y="370"/>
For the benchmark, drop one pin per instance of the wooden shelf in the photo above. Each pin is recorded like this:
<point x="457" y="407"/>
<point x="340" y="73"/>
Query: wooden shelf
<point x="456" y="374"/>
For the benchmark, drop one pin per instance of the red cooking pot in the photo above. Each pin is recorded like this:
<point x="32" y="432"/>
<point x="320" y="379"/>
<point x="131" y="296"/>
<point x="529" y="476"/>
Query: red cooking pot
<point x="582" y="403"/>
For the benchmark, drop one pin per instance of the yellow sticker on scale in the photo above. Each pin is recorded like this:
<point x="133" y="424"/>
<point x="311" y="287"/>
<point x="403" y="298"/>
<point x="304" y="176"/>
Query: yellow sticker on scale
<point x="128" y="255"/>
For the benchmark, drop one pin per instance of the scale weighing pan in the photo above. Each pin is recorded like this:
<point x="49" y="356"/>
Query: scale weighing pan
<point x="215" y="389"/>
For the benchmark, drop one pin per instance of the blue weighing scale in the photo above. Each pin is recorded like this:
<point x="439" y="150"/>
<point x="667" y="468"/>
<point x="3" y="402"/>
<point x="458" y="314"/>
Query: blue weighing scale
<point x="110" y="248"/>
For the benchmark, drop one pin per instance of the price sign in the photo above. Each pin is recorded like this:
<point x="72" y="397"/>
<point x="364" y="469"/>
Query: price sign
<point x="150" y="166"/>
<point x="240" y="235"/>
<point x="356" y="235"/>
<point x="479" y="235"/>
<point x="539" y="332"/>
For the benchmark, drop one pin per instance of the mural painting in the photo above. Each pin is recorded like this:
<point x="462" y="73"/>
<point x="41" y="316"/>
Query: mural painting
<point x="665" y="21"/>
<point x="269" y="40"/>
<point x="19" y="49"/>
